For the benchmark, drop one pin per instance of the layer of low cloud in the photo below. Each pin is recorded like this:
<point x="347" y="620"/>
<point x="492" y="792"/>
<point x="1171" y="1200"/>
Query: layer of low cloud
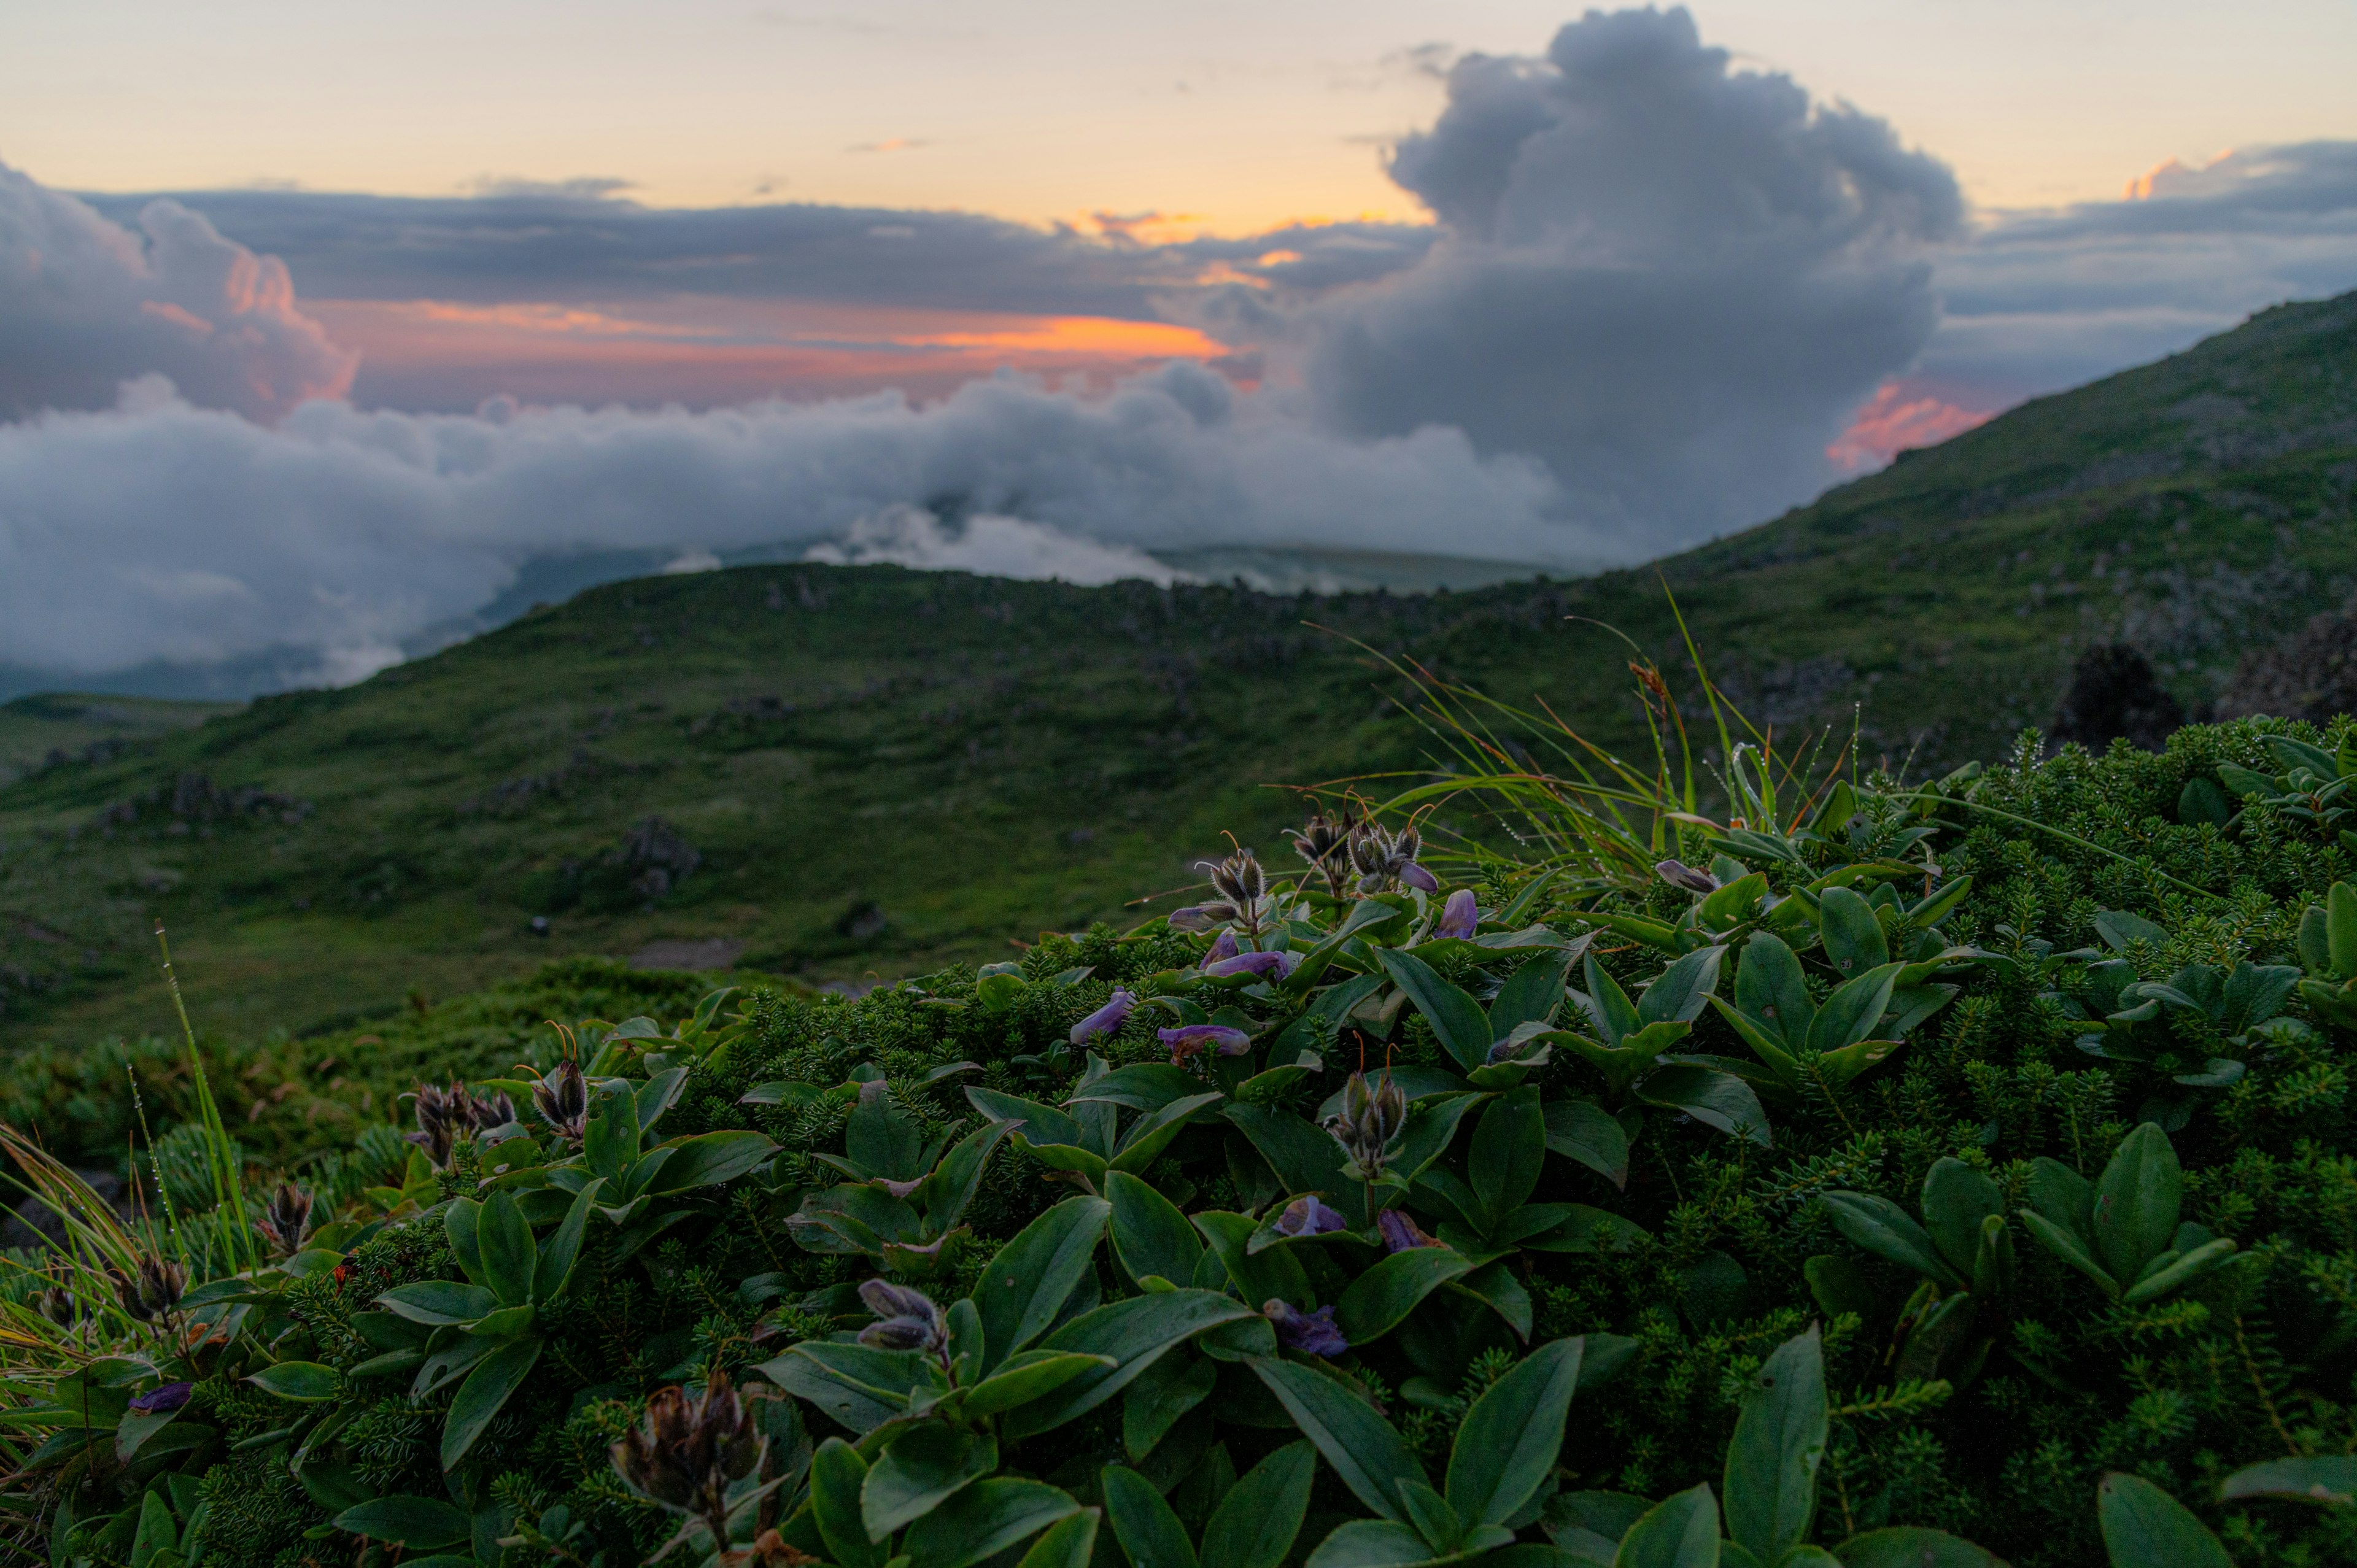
<point x="990" y="545"/>
<point x="86" y="304"/>
<point x="163" y="532"/>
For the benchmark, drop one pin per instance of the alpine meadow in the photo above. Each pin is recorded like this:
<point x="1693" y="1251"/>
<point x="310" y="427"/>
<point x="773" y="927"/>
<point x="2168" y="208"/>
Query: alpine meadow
<point x="1829" y="1051"/>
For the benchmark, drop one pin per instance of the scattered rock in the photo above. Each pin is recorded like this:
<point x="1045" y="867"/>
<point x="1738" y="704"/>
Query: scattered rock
<point x="2114" y="693"/>
<point x="712" y="953"/>
<point x="2311" y="674"/>
<point x="861" y="921"/>
<point x="661" y="856"/>
<point x="33" y="1223"/>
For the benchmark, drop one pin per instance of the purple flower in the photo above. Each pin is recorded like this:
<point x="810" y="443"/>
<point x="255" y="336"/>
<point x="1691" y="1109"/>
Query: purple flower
<point x="1189" y="1039"/>
<point x="1458" y="916"/>
<point x="171" y="1396"/>
<point x="1197" y="917"/>
<point x="1400" y="1232"/>
<point x="1261" y="963"/>
<point x="1313" y="1332"/>
<point x="1412" y="873"/>
<point x="1306" y="1216"/>
<point x="1222" y="946"/>
<point x="1106" y="1020"/>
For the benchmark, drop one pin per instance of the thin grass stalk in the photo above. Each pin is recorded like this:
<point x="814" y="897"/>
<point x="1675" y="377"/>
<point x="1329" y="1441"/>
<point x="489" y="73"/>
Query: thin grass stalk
<point x="220" y="1158"/>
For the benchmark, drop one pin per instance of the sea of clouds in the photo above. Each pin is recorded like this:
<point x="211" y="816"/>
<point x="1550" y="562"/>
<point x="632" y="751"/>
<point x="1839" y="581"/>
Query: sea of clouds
<point x="1656" y="294"/>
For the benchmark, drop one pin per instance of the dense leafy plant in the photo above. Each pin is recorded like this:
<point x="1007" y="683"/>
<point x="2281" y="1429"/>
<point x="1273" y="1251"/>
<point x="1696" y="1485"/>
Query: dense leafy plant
<point x="1898" y="1174"/>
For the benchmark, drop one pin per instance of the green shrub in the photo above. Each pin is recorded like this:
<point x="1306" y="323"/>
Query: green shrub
<point x="1896" y="1168"/>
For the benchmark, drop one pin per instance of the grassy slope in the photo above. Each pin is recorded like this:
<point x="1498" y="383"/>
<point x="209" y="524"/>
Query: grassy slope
<point x="980" y="758"/>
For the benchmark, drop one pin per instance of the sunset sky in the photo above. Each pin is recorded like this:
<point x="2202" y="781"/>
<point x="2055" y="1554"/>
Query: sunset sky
<point x="320" y="323"/>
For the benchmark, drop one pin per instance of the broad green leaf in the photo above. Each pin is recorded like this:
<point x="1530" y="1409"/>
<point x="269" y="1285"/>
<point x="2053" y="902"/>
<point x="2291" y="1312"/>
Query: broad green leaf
<point x="1680" y="1531"/>
<point x="1680" y="993"/>
<point x="437" y="1301"/>
<point x="1496" y="1287"/>
<point x="1029" y="1282"/>
<point x="2073" y="1250"/>
<point x="1957" y="1198"/>
<point x="983" y="1520"/>
<point x="1506" y="1446"/>
<point x="1715" y="1098"/>
<point x="1273" y="1274"/>
<point x="1256" y="1523"/>
<point x="461" y="1224"/>
<point x="1607" y="1005"/>
<point x="1433" y="1519"/>
<point x="1767" y="1045"/>
<point x="1361" y="1446"/>
<point x="837" y="1476"/>
<point x="1853" y="937"/>
<point x="656" y="1096"/>
<point x="1850" y="1014"/>
<point x="1376" y="1302"/>
<point x="1456" y="1020"/>
<point x="1141" y="1086"/>
<point x="1145" y="1139"/>
<point x="308" y="1382"/>
<point x="1369" y="1543"/>
<point x="2329" y="1480"/>
<point x="1305" y="1157"/>
<point x="486" y="1387"/>
<point x="881" y="1138"/>
<point x="2341" y="929"/>
<point x="1149" y="1235"/>
<point x="2119" y="928"/>
<point x="1431" y="1127"/>
<point x="1038" y="1123"/>
<point x="1583" y="1130"/>
<point x="2136" y="1202"/>
<point x="1154" y="1404"/>
<point x="2183" y="1271"/>
<point x="1026" y="1376"/>
<point x="554" y="1270"/>
<point x="1531" y="994"/>
<point x="509" y="1255"/>
<point x="1069" y="1544"/>
<point x="1779" y="1441"/>
<point x="712" y="1159"/>
<point x="2143" y="1527"/>
<point x="952" y="1184"/>
<point x="919" y="1471"/>
<point x="1508" y="1152"/>
<point x="1149" y="1533"/>
<point x="1770" y="989"/>
<point x="1133" y="1333"/>
<point x="1913" y="1548"/>
<point x="415" y="1522"/>
<point x="1880" y="1227"/>
<point x="2062" y="1195"/>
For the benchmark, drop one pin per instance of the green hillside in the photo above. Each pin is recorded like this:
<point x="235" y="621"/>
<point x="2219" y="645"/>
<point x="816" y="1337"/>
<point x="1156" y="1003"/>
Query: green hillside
<point x="869" y="771"/>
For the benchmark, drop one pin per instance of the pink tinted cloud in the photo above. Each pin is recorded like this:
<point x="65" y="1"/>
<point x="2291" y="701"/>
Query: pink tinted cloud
<point x="1901" y="415"/>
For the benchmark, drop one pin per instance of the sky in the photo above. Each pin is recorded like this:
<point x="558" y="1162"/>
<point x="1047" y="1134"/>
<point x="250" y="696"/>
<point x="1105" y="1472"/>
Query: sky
<point x="323" y="329"/>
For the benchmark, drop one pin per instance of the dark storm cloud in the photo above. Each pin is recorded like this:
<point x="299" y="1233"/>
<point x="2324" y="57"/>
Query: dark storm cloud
<point x="1671" y="281"/>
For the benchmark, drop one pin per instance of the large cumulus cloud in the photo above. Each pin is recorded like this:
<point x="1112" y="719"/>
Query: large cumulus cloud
<point x="86" y="304"/>
<point x="163" y="532"/>
<point x="1671" y="280"/>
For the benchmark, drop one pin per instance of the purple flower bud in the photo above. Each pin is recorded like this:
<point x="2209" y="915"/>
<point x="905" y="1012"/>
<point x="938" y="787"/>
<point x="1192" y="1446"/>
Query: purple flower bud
<point x="1414" y="875"/>
<point x="1458" y="916"/>
<point x="1313" y="1332"/>
<point x="1188" y="1039"/>
<point x="1196" y="918"/>
<point x="1678" y="874"/>
<point x="171" y="1396"/>
<point x="1264" y="964"/>
<point x="1306" y="1216"/>
<point x="1106" y="1020"/>
<point x="1222" y="946"/>
<point x="1400" y="1232"/>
